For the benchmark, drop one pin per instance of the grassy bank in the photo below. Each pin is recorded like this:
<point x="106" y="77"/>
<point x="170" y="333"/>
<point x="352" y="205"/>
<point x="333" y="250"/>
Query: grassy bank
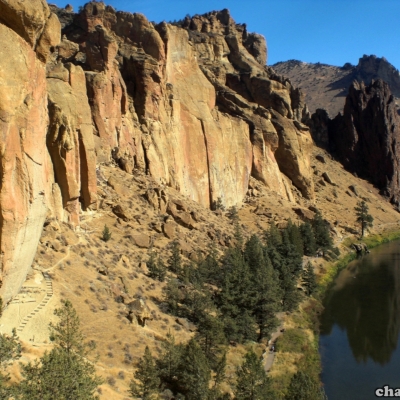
<point x="297" y="349"/>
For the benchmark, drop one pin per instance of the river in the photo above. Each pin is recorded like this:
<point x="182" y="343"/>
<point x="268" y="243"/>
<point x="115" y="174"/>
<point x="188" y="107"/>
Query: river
<point x="360" y="327"/>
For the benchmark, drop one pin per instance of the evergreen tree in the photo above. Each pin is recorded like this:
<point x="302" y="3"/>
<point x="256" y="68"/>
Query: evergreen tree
<point x="310" y="247"/>
<point x="211" y="337"/>
<point x="265" y="287"/>
<point x="251" y="379"/>
<point x="238" y="235"/>
<point x="10" y="350"/>
<point x="273" y="237"/>
<point x="172" y="295"/>
<point x="363" y="217"/>
<point x="235" y="300"/>
<point x="161" y="270"/>
<point x="146" y="381"/>
<point x="152" y="265"/>
<point x="295" y="237"/>
<point x="175" y="260"/>
<point x="106" y="234"/>
<point x="321" y="232"/>
<point x="156" y="267"/>
<point x="59" y="375"/>
<point x="309" y="280"/>
<point x="209" y="266"/>
<point x="194" y="372"/>
<point x="64" y="373"/>
<point x="304" y="386"/>
<point x="168" y="363"/>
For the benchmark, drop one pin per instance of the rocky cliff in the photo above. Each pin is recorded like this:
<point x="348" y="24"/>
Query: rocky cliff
<point x="192" y="105"/>
<point x="326" y="86"/>
<point x="365" y="138"/>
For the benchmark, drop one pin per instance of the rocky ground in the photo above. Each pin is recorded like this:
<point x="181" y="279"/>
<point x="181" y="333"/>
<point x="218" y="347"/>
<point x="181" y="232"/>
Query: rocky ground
<point x="106" y="280"/>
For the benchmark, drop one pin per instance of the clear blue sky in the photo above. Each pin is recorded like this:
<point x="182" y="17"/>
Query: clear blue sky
<point x="327" y="31"/>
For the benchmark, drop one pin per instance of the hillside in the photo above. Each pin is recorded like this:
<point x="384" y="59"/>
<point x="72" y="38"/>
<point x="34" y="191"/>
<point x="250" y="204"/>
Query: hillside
<point x="155" y="131"/>
<point x="326" y="86"/>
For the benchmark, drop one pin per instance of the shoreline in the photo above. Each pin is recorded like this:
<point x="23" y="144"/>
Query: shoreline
<point x="298" y="348"/>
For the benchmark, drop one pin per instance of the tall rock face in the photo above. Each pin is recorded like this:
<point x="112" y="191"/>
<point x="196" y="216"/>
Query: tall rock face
<point x="47" y="153"/>
<point x="191" y="104"/>
<point x="24" y="165"/>
<point x="366" y="137"/>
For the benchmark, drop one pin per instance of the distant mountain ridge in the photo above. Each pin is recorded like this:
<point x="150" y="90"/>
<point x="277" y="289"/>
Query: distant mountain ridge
<point x="326" y="86"/>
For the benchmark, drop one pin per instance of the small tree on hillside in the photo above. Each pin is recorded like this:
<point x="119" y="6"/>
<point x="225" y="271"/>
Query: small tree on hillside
<point x="106" y="234"/>
<point x="363" y="217"/>
<point x="64" y="372"/>
<point x="309" y="279"/>
<point x="146" y="381"/>
<point x="251" y="379"/>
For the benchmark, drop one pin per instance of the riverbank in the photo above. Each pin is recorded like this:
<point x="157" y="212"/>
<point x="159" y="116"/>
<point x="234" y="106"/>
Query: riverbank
<point x="297" y="349"/>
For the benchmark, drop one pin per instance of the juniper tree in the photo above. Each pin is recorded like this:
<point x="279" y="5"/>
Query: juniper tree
<point x="363" y="217"/>
<point x="251" y="379"/>
<point x="146" y="382"/>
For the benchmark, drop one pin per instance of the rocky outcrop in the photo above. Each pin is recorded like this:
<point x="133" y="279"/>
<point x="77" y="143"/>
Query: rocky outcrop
<point x="161" y="93"/>
<point x="326" y="86"/>
<point x="193" y="105"/>
<point x="26" y="172"/>
<point x="366" y="137"/>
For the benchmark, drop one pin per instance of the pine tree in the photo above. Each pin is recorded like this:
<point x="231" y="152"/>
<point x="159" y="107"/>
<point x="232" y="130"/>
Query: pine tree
<point x="304" y="386"/>
<point x="273" y="237"/>
<point x="210" y="336"/>
<point x="310" y="247"/>
<point x="152" y="265"/>
<point x="175" y="260"/>
<point x="172" y="295"/>
<point x="63" y="373"/>
<point x="156" y="267"/>
<point x="295" y="237"/>
<point x="309" y="280"/>
<point x="265" y="287"/>
<point x="194" y="373"/>
<point x="235" y="299"/>
<point x="251" y="379"/>
<point x="10" y="350"/>
<point x="168" y="363"/>
<point x="321" y="232"/>
<point x="106" y="236"/>
<point x="146" y="381"/>
<point x="238" y="235"/>
<point x="363" y="217"/>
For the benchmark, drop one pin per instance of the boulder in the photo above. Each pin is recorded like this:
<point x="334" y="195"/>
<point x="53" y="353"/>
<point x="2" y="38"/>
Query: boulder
<point x="139" y="310"/>
<point x="122" y="212"/>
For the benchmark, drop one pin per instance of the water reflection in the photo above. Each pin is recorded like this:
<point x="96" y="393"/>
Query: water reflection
<point x="365" y="302"/>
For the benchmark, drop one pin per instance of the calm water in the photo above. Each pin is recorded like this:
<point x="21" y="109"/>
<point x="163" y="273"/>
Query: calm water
<point x="360" y="327"/>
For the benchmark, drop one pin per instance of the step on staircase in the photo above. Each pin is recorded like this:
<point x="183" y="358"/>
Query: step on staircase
<point x="41" y="305"/>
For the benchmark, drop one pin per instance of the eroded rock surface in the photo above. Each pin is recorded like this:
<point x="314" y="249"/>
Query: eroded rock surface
<point x="192" y="105"/>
